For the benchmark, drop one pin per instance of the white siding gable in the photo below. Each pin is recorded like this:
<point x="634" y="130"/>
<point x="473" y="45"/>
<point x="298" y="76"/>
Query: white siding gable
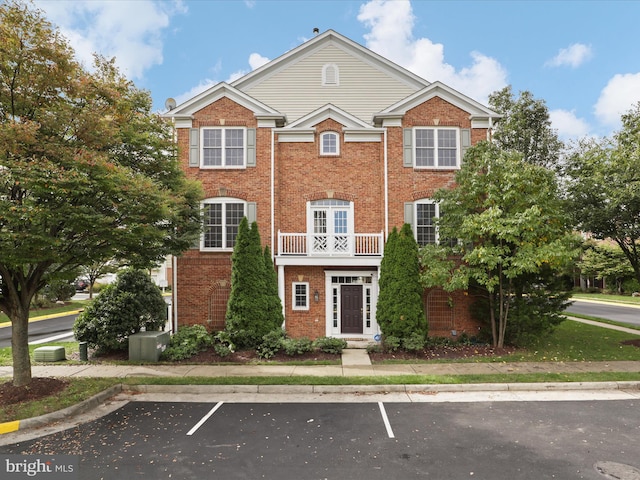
<point x="363" y="90"/>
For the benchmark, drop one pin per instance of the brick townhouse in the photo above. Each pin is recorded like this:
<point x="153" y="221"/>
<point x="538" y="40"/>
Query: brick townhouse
<point x="328" y="148"/>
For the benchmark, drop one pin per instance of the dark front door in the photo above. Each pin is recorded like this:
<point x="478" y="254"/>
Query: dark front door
<point x="351" y="308"/>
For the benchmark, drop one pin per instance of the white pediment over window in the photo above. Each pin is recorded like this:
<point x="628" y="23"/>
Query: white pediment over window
<point x="354" y="129"/>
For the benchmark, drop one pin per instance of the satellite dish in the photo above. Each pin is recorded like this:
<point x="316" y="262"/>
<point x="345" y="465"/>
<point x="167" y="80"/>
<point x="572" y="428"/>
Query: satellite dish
<point x="170" y="104"/>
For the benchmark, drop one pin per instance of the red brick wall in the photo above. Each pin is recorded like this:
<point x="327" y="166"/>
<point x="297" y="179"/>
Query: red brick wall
<point x="303" y="175"/>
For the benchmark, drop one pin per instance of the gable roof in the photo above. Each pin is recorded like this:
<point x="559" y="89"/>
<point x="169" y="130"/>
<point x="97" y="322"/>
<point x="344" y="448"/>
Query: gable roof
<point x="330" y="37"/>
<point x="223" y="90"/>
<point x="438" y="89"/>
<point x="325" y="112"/>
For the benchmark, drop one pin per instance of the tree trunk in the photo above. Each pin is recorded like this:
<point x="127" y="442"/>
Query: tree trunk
<point x="20" y="347"/>
<point x="492" y="316"/>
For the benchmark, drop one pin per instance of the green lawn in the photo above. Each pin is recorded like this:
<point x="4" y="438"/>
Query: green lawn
<point x="607" y="298"/>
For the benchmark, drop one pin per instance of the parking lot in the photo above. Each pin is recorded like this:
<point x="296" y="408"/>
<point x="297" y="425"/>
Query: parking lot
<point x="507" y="440"/>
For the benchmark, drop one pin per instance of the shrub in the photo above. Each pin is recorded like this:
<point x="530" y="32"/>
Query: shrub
<point x="330" y="344"/>
<point x="59" y="290"/>
<point x="271" y="344"/>
<point x="132" y="303"/>
<point x="391" y="343"/>
<point x="187" y="342"/>
<point x="374" y="348"/>
<point x="413" y="343"/>
<point x="296" y="346"/>
<point x="223" y="346"/>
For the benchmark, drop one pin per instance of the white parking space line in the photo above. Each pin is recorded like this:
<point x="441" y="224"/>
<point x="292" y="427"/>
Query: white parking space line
<point x="52" y="339"/>
<point x="204" y="419"/>
<point x="385" y="419"/>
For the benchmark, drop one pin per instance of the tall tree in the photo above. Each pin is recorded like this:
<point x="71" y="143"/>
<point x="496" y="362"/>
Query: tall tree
<point x="525" y="127"/>
<point x="250" y="313"/>
<point x="508" y="217"/>
<point x="603" y="187"/>
<point x="87" y="172"/>
<point x="400" y="310"/>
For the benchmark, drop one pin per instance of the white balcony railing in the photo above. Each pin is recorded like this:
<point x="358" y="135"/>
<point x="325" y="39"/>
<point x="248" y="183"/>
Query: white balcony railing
<point x="306" y="244"/>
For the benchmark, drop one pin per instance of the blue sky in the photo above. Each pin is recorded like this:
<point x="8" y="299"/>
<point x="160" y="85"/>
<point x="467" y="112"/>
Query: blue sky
<point x="581" y="57"/>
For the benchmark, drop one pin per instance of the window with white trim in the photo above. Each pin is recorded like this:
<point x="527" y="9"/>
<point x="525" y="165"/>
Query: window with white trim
<point x="223" y="147"/>
<point x="329" y="143"/>
<point x="426" y="213"/>
<point x="221" y="217"/>
<point x="437" y="148"/>
<point x="300" y="292"/>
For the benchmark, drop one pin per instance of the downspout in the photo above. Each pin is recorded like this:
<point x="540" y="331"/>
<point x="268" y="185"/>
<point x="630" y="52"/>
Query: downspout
<point x="174" y="293"/>
<point x="281" y="285"/>
<point x="386" y="188"/>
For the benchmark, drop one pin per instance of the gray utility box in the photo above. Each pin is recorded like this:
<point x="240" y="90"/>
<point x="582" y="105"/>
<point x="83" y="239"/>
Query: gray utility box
<point x="147" y="346"/>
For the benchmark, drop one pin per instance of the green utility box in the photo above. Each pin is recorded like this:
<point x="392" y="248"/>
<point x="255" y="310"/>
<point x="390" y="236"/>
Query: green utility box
<point x="48" y="354"/>
<point x="147" y="346"/>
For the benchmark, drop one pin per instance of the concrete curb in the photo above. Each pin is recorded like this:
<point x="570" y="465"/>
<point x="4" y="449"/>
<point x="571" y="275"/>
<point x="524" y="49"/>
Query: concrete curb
<point x="96" y="400"/>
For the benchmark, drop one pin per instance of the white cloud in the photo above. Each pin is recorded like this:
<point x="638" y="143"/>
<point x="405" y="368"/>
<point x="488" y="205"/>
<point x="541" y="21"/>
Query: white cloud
<point x="391" y="35"/>
<point x="573" y="56"/>
<point x="568" y="125"/>
<point x="197" y="90"/>
<point x="255" y="61"/>
<point x="133" y="34"/>
<point x="617" y="97"/>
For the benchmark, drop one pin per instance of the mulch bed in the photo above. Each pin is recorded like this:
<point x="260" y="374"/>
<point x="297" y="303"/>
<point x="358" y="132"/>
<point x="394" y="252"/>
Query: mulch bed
<point x="38" y="388"/>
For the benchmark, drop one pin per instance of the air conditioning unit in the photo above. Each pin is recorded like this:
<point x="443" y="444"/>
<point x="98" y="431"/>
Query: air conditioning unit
<point x="148" y="346"/>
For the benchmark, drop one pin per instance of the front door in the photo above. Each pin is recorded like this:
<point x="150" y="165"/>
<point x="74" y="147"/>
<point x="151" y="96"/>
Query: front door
<point x="351" y="308"/>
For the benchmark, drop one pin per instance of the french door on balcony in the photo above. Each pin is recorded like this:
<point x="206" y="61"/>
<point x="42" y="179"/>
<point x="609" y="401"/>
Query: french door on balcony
<point x="331" y="227"/>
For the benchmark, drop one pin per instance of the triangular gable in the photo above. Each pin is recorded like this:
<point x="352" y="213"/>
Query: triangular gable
<point x="215" y="93"/>
<point x="325" y="112"/>
<point x="438" y="89"/>
<point x="320" y="41"/>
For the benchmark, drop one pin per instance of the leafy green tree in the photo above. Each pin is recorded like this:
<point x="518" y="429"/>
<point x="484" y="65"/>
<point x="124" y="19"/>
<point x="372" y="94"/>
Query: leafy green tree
<point x="87" y="172"/>
<point x="525" y="127"/>
<point x="604" y="261"/>
<point x="131" y="303"/>
<point x="508" y="217"/>
<point x="603" y="187"/>
<point x="400" y="310"/>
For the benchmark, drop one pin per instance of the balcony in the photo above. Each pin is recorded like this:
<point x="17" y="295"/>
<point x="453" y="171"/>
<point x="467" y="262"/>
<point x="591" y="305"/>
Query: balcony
<point x="323" y="245"/>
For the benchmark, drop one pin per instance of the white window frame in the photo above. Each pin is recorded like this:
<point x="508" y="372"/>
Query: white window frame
<point x="223" y="201"/>
<point x="436" y="149"/>
<point x="326" y="153"/>
<point x="426" y="201"/>
<point x="294" y="296"/>
<point x="223" y="140"/>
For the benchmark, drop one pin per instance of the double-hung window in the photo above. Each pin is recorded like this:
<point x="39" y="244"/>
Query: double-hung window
<point x="224" y="147"/>
<point x="426" y="214"/>
<point x="300" y="300"/>
<point x="221" y="218"/>
<point x="426" y="230"/>
<point x="437" y="148"/>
